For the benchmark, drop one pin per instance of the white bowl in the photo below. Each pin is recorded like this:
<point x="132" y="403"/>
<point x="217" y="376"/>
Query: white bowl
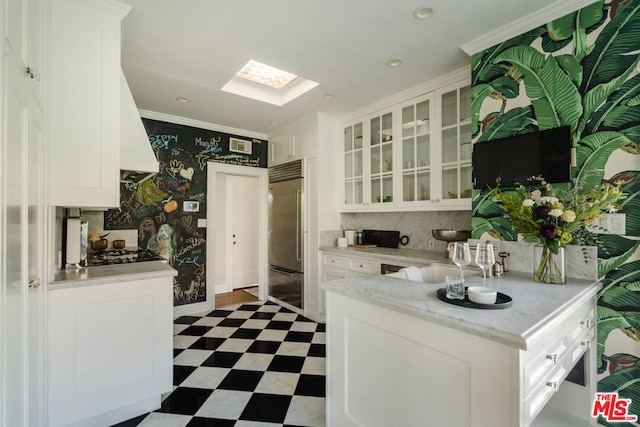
<point x="481" y="295"/>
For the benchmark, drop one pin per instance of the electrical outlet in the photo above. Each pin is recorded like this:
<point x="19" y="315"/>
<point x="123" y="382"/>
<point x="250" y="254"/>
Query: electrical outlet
<point x="431" y="244"/>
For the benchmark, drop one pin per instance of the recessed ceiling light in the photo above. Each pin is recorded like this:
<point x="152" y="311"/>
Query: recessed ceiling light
<point x="182" y="99"/>
<point x="275" y="123"/>
<point x="423" y="13"/>
<point x="328" y="96"/>
<point x="396" y="62"/>
<point x="264" y="74"/>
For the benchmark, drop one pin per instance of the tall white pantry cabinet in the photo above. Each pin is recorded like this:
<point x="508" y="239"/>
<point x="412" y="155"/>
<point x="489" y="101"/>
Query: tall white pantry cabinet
<point x="22" y="200"/>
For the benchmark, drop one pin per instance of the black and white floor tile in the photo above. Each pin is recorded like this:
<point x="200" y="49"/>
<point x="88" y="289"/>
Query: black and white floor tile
<point x="255" y="364"/>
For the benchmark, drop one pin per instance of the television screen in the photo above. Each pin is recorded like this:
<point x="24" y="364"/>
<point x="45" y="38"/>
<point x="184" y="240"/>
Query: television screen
<point x="514" y="160"/>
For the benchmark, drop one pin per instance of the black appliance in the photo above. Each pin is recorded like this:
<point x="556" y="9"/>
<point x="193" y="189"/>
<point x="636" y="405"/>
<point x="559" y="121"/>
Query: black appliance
<point x="515" y="160"/>
<point x="120" y="256"/>
<point x="384" y="238"/>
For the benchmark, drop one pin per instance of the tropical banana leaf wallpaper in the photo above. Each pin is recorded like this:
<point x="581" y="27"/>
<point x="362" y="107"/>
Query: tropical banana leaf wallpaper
<point x="580" y="70"/>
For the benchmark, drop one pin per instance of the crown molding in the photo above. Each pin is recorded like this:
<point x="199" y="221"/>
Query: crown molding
<point x="524" y="24"/>
<point x="426" y="87"/>
<point x="200" y="124"/>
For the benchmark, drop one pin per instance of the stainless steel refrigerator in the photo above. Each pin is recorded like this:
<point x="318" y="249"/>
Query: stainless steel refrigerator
<point x="286" y="242"/>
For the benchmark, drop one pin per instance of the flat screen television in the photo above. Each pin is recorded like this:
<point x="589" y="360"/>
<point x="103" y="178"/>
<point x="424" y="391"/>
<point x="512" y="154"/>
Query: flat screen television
<point x="514" y="160"/>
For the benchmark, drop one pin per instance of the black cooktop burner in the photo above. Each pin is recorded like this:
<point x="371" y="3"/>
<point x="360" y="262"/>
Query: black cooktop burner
<point x="120" y="256"/>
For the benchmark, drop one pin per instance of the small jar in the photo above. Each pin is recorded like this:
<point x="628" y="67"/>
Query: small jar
<point x="498" y="269"/>
<point x="359" y="238"/>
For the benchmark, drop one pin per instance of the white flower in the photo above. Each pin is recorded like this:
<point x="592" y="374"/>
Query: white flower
<point x="549" y="199"/>
<point x="528" y="203"/>
<point x="612" y="209"/>
<point x="536" y="194"/>
<point x="555" y="212"/>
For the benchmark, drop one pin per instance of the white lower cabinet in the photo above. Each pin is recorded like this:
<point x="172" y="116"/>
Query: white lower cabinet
<point x="388" y="368"/>
<point x="110" y="351"/>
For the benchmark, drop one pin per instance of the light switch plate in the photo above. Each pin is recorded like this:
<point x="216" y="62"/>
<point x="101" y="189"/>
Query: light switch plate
<point x="202" y="223"/>
<point x="611" y="223"/>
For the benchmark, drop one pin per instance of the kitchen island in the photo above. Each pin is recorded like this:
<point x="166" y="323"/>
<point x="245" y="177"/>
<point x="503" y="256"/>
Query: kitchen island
<point x="397" y="355"/>
<point x="110" y="342"/>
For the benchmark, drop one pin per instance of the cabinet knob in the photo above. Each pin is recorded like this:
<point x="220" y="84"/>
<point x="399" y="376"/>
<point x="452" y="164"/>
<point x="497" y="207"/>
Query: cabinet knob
<point x="553" y="358"/>
<point x="35" y="283"/>
<point x="333" y="261"/>
<point x="586" y="323"/>
<point x="361" y="266"/>
<point x="554" y="385"/>
<point x="585" y="344"/>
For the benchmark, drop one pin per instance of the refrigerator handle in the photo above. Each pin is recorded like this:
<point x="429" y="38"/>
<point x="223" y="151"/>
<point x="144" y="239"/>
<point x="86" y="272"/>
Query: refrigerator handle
<point x="298" y="225"/>
<point x="282" y="271"/>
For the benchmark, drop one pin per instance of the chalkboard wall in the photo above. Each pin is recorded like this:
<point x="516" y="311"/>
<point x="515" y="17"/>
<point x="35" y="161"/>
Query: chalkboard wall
<point x="165" y="208"/>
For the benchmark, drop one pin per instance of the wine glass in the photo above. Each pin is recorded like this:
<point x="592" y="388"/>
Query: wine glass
<point x="461" y="255"/>
<point x="485" y="257"/>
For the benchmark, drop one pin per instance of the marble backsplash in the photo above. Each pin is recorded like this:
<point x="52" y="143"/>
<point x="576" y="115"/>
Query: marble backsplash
<point x="578" y="265"/>
<point x="416" y="225"/>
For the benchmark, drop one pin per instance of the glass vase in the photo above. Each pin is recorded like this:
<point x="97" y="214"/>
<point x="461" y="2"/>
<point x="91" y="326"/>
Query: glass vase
<point x="547" y="266"/>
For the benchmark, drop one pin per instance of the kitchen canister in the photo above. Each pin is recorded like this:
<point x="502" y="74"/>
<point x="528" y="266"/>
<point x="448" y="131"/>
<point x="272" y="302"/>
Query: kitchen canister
<point x="350" y="235"/>
<point x="342" y="242"/>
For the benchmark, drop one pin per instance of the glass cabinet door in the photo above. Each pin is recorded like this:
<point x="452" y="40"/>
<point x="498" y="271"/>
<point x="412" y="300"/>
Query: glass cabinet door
<point x="353" y="164"/>
<point x="381" y="155"/>
<point x="416" y="151"/>
<point x="456" y="143"/>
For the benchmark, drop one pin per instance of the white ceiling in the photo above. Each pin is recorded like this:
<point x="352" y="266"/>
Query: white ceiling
<point x="191" y="48"/>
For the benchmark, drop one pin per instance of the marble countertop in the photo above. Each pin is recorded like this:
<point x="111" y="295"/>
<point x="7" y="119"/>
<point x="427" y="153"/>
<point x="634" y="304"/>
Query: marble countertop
<point x="534" y="304"/>
<point x="407" y="256"/>
<point x="105" y="274"/>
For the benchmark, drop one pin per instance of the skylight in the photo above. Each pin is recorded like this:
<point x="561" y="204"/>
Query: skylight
<point x="267" y="84"/>
<point x="265" y="75"/>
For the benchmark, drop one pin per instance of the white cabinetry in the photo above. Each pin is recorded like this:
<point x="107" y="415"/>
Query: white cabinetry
<point x="452" y="378"/>
<point x="415" y="155"/>
<point x="293" y="142"/>
<point x="22" y="153"/>
<point x="316" y="138"/>
<point x="110" y="350"/>
<point x="85" y="103"/>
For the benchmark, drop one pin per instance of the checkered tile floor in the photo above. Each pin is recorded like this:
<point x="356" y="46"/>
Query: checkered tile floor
<point x="256" y="364"/>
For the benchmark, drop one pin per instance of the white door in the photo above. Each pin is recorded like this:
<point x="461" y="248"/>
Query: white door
<point x="14" y="319"/>
<point x="22" y="393"/>
<point x="243" y="199"/>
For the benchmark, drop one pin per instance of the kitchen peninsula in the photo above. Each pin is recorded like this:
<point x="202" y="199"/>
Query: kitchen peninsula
<point x="110" y="345"/>
<point x="397" y="355"/>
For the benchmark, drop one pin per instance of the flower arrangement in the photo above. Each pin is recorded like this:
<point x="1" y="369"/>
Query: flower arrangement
<point x="552" y="218"/>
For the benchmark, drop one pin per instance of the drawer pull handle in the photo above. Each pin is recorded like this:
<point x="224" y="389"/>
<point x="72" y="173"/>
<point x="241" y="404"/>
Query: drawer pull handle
<point x="553" y="358"/>
<point x="333" y="260"/>
<point x="554" y="385"/>
<point x="585" y="344"/>
<point x="586" y="323"/>
<point x="361" y="266"/>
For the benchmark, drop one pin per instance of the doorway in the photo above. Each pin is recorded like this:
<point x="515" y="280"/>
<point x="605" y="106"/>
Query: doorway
<point x="241" y="234"/>
<point x="237" y="212"/>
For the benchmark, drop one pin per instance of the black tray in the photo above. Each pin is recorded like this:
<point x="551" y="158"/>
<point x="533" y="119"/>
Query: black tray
<point x="502" y="301"/>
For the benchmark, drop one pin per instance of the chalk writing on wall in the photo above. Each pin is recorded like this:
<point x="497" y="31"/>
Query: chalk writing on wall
<point x="154" y="206"/>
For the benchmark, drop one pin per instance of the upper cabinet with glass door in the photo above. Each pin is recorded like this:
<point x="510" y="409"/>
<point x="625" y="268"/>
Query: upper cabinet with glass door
<point x="381" y="157"/>
<point x="455" y="135"/>
<point x="353" y="165"/>
<point x="417" y="167"/>
<point x="413" y="156"/>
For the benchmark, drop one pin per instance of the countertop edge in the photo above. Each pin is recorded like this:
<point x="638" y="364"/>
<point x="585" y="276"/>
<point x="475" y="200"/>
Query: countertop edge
<point x="400" y="254"/>
<point x="511" y="340"/>
<point x="100" y="275"/>
<point x="408" y="298"/>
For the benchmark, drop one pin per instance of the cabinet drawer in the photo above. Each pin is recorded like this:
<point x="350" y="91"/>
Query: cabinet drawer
<point x="543" y="364"/>
<point x="543" y="392"/>
<point x="334" y="261"/>
<point x="363" y="266"/>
